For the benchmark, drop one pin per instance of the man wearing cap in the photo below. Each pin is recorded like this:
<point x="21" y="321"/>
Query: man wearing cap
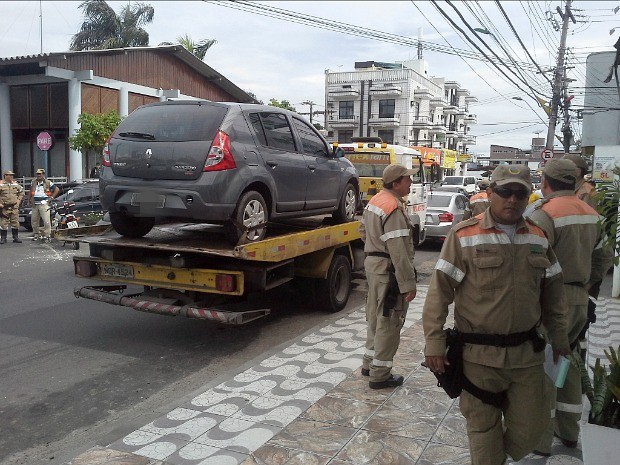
<point x="478" y="202"/>
<point x="583" y="189"/>
<point x="11" y="194"/>
<point x="42" y="191"/>
<point x="575" y="236"/>
<point x="503" y="277"/>
<point x="387" y="233"/>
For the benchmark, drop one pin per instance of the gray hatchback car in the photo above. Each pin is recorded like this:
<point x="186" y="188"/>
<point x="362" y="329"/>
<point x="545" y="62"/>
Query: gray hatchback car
<point x="239" y="165"/>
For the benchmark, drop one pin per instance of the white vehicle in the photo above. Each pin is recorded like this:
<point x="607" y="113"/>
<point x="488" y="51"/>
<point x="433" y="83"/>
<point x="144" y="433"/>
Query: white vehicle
<point x="371" y="155"/>
<point x="463" y="184"/>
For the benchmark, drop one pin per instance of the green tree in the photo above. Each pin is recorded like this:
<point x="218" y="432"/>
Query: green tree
<point x="104" y="29"/>
<point x="253" y="95"/>
<point x="317" y="126"/>
<point x="198" y="49"/>
<point x="282" y="104"/>
<point x="94" y="131"/>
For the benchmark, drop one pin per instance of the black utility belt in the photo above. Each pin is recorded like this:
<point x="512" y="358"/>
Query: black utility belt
<point x="378" y="254"/>
<point x="506" y="340"/>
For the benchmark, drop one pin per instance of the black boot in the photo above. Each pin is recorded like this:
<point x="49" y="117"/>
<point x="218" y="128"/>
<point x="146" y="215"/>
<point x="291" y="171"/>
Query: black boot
<point x="3" y="236"/>
<point x="16" y="238"/>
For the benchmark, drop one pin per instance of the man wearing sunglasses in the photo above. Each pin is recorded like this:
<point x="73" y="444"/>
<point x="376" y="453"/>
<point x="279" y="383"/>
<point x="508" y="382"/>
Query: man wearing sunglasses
<point x="571" y="226"/>
<point x="504" y="279"/>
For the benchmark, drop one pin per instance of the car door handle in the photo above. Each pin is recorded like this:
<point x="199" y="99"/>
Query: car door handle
<point x="273" y="164"/>
<point x="311" y="167"/>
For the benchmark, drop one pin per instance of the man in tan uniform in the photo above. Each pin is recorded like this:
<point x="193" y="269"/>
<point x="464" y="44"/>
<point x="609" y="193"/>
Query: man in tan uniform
<point x="11" y="194"/>
<point x="575" y="236"/>
<point x="478" y="202"/>
<point x="504" y="278"/>
<point x="387" y="233"/>
<point x="583" y="189"/>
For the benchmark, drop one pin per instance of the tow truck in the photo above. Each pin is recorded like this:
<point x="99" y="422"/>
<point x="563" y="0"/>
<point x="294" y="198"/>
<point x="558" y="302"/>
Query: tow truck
<point x="190" y="270"/>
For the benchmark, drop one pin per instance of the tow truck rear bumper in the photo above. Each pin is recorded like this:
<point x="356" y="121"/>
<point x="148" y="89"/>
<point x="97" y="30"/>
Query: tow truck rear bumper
<point x="144" y="303"/>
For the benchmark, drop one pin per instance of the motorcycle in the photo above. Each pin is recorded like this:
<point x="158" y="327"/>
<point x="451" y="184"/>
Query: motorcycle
<point x="65" y="218"/>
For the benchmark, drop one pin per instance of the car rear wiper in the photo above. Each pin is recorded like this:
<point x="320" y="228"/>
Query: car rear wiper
<point x="137" y="135"/>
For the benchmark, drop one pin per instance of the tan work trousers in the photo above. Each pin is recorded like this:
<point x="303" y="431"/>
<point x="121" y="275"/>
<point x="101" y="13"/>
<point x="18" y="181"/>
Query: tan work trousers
<point x="515" y="430"/>
<point x="9" y="217"/>
<point x="38" y="212"/>
<point x="383" y="332"/>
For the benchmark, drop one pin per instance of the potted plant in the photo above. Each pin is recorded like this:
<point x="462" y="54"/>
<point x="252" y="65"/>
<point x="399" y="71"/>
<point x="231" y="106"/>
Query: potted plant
<point x="600" y="437"/>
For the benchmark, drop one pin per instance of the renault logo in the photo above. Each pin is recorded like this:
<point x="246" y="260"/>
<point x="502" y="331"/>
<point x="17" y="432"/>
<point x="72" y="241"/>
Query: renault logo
<point x="148" y="153"/>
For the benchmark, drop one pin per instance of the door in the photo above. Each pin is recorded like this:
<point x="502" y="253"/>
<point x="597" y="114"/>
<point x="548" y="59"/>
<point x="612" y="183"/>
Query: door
<point x="324" y="170"/>
<point x="285" y="164"/>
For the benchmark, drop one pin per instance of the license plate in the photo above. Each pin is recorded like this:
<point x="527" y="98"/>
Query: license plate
<point x="148" y="199"/>
<point x="115" y="270"/>
<point x="72" y="224"/>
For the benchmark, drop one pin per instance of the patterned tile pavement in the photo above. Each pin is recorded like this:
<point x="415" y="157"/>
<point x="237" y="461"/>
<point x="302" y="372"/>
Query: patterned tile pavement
<point x="309" y="405"/>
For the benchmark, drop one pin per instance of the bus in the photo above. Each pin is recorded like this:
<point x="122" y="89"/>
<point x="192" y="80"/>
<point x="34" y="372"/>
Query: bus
<point x="370" y="156"/>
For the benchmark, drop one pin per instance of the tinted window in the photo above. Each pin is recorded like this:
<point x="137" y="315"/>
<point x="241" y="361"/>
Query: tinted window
<point x="311" y="143"/>
<point x="277" y="131"/>
<point x="438" y="200"/>
<point x="453" y="181"/>
<point x="258" y="128"/>
<point x="346" y="110"/>
<point x="386" y="108"/>
<point x="174" y="122"/>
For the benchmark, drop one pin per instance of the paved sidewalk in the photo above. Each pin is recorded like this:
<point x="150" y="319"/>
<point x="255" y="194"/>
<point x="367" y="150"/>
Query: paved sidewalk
<point x="309" y="405"/>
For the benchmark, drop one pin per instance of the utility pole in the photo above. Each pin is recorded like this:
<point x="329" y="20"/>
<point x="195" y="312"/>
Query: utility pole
<point x="311" y="104"/>
<point x="567" y="132"/>
<point x="559" y="72"/>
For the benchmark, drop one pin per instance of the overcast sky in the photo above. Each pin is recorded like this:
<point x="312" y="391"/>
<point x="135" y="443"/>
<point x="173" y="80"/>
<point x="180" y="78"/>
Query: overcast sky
<point x="283" y="59"/>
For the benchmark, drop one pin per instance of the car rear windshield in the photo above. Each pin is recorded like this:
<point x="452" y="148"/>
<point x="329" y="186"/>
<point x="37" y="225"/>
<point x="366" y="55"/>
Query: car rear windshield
<point x="439" y="200"/>
<point x="173" y="123"/>
<point x="453" y="180"/>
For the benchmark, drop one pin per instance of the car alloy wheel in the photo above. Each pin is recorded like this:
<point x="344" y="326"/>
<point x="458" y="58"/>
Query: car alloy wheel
<point x="253" y="215"/>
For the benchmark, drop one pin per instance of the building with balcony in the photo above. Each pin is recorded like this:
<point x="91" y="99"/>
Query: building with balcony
<point x="400" y="103"/>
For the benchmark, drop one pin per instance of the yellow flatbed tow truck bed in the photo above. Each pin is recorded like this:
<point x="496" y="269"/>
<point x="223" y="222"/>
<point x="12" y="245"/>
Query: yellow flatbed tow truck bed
<point x="190" y="269"/>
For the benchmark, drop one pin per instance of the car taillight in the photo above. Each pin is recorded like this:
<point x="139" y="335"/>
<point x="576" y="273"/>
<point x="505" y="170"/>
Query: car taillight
<point x="446" y="217"/>
<point x="220" y="158"/>
<point x="106" y="153"/>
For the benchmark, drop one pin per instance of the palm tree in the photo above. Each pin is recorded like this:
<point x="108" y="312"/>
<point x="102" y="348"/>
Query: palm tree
<point x="103" y="29"/>
<point x="198" y="49"/>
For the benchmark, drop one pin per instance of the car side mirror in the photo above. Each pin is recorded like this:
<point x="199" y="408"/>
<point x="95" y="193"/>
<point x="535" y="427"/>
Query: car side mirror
<point x="338" y="152"/>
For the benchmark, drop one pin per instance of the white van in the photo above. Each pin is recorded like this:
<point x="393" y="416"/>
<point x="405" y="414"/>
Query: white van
<point x="463" y="184"/>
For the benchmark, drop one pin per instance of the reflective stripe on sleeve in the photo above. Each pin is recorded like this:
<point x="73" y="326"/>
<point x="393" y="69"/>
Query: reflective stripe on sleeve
<point x="449" y="269"/>
<point x="376" y="210"/>
<point x="479" y="239"/>
<point x="370" y="353"/>
<point x="382" y="363"/>
<point x="478" y="200"/>
<point x="553" y="270"/>
<point x="393" y="234"/>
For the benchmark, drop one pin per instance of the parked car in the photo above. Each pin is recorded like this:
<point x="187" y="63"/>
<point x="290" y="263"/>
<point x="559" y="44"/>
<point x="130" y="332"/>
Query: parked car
<point x="462" y="184"/>
<point x="85" y="195"/>
<point x="444" y="210"/>
<point x="239" y="165"/>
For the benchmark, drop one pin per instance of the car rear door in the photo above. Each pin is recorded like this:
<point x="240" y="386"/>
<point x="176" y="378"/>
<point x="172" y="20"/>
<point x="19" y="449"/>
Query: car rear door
<point x="324" y="171"/>
<point x="284" y="163"/>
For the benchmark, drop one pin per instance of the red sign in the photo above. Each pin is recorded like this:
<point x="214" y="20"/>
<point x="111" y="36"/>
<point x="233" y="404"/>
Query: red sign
<point x="546" y="154"/>
<point x="44" y="141"/>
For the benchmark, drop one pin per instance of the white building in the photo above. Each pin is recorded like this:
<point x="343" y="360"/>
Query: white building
<point x="400" y="103"/>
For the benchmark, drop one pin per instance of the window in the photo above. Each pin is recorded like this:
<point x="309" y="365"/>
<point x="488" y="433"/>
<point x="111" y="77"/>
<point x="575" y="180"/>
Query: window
<point x="344" y="137"/>
<point x="273" y="130"/>
<point x="386" y="108"/>
<point x="386" y="135"/>
<point x="346" y="110"/>
<point x="311" y="143"/>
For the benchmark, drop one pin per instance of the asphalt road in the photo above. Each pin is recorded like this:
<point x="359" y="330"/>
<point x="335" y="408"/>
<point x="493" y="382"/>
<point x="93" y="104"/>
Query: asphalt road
<point x="77" y="373"/>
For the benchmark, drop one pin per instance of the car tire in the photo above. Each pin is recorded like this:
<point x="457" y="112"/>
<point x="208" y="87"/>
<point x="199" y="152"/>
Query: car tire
<point x="347" y="205"/>
<point x="251" y="211"/>
<point x="332" y="293"/>
<point x="131" y="226"/>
